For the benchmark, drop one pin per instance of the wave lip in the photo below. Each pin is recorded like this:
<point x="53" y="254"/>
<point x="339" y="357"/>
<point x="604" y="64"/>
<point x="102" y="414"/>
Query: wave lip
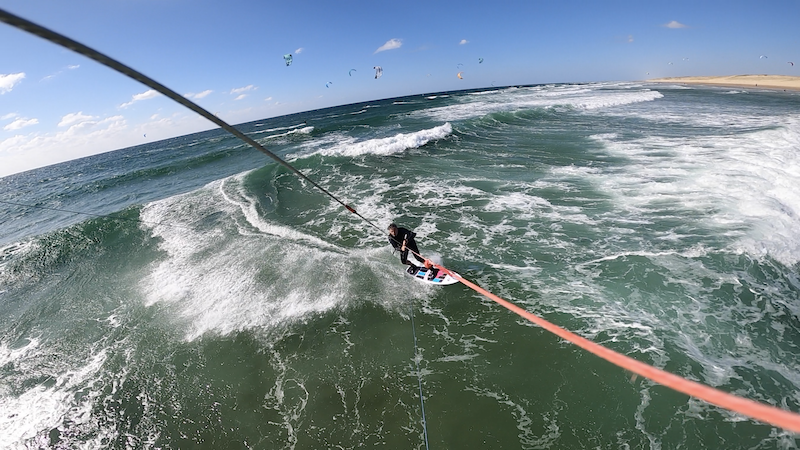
<point x="584" y="98"/>
<point x="390" y="145"/>
<point x="268" y="130"/>
<point x="304" y="130"/>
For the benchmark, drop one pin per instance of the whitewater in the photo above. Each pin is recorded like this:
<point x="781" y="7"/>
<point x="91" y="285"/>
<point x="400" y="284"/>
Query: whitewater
<point x="191" y="293"/>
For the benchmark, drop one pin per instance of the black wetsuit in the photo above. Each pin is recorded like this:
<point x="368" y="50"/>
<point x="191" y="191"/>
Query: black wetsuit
<point x="397" y="243"/>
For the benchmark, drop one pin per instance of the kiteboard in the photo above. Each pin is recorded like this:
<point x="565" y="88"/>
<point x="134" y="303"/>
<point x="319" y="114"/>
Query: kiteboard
<point x="440" y="277"/>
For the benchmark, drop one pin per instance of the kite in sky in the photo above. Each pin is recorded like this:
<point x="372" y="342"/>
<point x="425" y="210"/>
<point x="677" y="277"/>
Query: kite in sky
<point x="351" y="72"/>
<point x="378" y="71"/>
<point x="459" y="76"/>
<point x="288" y="59"/>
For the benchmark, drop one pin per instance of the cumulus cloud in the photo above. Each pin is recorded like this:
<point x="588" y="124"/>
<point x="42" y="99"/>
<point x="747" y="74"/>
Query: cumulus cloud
<point x="25" y="150"/>
<point x="298" y="51"/>
<point x="20" y="123"/>
<point x="463" y="41"/>
<point x="145" y="95"/>
<point x="674" y="24"/>
<point x="249" y="87"/>
<point x="139" y="97"/>
<point x="73" y="118"/>
<point x="199" y="94"/>
<point x="391" y="44"/>
<point x="8" y="81"/>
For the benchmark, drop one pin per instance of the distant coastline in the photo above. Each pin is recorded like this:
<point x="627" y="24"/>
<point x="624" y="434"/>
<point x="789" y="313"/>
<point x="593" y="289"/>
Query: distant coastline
<point x="748" y="81"/>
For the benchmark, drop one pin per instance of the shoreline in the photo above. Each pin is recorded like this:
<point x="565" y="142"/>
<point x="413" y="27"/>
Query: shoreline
<point x="772" y="82"/>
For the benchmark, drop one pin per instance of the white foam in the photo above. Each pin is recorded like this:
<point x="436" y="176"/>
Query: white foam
<point x="744" y="181"/>
<point x="27" y="417"/>
<point x="527" y="437"/>
<point x="583" y="97"/>
<point x="304" y="130"/>
<point x="288" y="397"/>
<point x="493" y="91"/>
<point x="9" y="355"/>
<point x="246" y="272"/>
<point x="348" y="146"/>
<point x="269" y="130"/>
<point x="457" y="358"/>
<point x="8" y="254"/>
<point x="524" y="204"/>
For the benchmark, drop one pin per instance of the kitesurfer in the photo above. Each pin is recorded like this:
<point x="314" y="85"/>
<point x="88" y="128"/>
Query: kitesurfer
<point x="403" y="239"/>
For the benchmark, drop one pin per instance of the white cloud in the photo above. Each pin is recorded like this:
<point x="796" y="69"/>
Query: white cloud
<point x="675" y="24"/>
<point x="391" y="44"/>
<point x="241" y="97"/>
<point x="7" y="81"/>
<point x="463" y="41"/>
<point x="298" y="51"/>
<point x="249" y="87"/>
<point x="9" y="116"/>
<point x="268" y="99"/>
<point x="49" y="77"/>
<point x="23" y="152"/>
<point x="20" y="123"/>
<point x="198" y="95"/>
<point x="630" y="38"/>
<point x="73" y="118"/>
<point x="143" y="96"/>
<point x="28" y="150"/>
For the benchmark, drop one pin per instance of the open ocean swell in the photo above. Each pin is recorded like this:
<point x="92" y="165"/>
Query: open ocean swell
<point x="188" y="293"/>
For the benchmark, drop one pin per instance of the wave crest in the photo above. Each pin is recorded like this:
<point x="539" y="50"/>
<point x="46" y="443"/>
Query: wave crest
<point x="390" y="145"/>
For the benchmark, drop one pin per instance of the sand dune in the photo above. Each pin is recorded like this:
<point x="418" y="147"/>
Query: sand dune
<point x="751" y="81"/>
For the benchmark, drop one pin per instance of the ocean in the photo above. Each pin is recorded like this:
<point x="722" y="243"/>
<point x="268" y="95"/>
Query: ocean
<point x="192" y="293"/>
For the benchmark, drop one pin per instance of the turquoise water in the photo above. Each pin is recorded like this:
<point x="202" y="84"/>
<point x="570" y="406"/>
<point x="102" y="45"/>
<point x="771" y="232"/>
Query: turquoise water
<point x="190" y="293"/>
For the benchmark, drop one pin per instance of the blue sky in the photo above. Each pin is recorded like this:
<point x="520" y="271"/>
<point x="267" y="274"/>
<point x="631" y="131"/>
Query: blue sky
<point x="228" y="57"/>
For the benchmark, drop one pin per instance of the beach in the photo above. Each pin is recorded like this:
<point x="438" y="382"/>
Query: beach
<point x="760" y="81"/>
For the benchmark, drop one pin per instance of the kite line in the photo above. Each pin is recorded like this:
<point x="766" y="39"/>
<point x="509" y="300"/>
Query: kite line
<point x="107" y="61"/>
<point x="750" y="408"/>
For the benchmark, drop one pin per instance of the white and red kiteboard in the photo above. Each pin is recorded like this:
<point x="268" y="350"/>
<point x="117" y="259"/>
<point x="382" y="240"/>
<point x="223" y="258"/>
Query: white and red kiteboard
<point x="440" y="278"/>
